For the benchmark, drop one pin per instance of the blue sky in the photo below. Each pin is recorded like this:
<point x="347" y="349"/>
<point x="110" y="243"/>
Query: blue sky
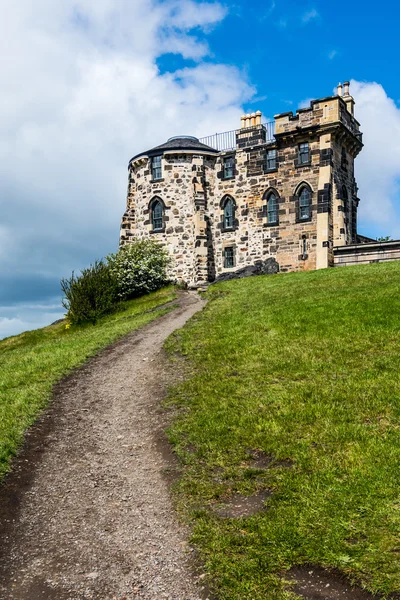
<point x="86" y="85"/>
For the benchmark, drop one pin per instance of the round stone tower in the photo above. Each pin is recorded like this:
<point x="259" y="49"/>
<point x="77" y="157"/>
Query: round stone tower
<point x="167" y="198"/>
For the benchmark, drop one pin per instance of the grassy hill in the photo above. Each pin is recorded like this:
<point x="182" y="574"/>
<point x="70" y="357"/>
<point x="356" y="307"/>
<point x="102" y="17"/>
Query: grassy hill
<point x="32" y="362"/>
<point x="293" y="392"/>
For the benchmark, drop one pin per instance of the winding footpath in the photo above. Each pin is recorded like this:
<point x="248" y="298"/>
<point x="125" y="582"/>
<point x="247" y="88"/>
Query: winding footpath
<point x="86" y="512"/>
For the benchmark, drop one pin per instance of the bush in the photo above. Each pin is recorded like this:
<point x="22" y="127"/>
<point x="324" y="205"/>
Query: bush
<point x="139" y="268"/>
<point x="91" y="294"/>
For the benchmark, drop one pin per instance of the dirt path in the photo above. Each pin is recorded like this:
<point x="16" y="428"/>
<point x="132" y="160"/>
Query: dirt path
<point x="86" y="513"/>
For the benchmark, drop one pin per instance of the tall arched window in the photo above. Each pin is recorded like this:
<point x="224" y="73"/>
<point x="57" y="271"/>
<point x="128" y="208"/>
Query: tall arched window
<point x="304" y="203"/>
<point x="272" y="208"/>
<point x="229" y="212"/>
<point x="157" y="214"/>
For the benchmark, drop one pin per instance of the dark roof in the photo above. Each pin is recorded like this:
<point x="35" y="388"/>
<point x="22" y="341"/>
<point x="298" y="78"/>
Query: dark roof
<point x="184" y="142"/>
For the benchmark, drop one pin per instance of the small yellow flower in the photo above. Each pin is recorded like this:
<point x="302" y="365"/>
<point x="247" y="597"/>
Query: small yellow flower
<point x="68" y="325"/>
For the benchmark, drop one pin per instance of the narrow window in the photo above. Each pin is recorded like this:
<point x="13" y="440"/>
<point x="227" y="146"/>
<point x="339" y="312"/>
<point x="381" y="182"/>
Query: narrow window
<point x="272" y="209"/>
<point x="271" y="160"/>
<point x="229" y="257"/>
<point x="304" y="245"/>
<point x="345" y="198"/>
<point x="354" y="227"/>
<point x="304" y="204"/>
<point x="344" y="158"/>
<point x="229" y="165"/>
<point x="304" y="153"/>
<point x="157" y="216"/>
<point x="156" y="168"/>
<point x="229" y="214"/>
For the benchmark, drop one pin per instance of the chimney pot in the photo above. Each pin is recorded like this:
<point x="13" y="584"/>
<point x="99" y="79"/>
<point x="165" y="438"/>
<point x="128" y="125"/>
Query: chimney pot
<point x="340" y="89"/>
<point x="346" y="88"/>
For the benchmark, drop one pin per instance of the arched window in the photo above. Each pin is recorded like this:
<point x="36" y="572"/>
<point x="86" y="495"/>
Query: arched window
<point x="272" y="208"/>
<point x="304" y="203"/>
<point x="229" y="212"/>
<point x="157" y="214"/>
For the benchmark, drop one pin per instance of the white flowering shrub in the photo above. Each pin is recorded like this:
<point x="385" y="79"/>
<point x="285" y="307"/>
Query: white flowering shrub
<point x="138" y="268"/>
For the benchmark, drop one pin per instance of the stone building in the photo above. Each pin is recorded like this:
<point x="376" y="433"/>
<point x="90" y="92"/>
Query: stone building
<point x="281" y="193"/>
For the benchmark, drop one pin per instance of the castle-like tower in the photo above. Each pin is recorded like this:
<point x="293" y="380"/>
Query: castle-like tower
<point x="283" y="190"/>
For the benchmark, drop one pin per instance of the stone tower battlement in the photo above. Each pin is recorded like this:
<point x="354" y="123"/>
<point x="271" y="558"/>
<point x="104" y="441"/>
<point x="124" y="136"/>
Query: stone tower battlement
<point x="281" y="192"/>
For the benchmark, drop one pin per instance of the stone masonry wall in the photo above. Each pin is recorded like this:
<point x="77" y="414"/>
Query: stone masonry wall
<point x="252" y="237"/>
<point x="177" y="190"/>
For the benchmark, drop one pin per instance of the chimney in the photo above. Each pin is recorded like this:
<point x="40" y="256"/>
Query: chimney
<point x="252" y="132"/>
<point x="347" y="98"/>
<point x="340" y="89"/>
<point x="251" y="120"/>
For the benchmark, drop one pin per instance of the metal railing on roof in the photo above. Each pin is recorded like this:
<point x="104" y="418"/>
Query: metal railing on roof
<point x="227" y="139"/>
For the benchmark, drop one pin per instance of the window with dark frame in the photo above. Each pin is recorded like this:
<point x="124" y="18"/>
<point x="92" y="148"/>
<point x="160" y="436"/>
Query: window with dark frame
<point x="229" y="257"/>
<point x="272" y="208"/>
<point x="229" y="213"/>
<point x="157" y="215"/>
<point x="156" y="170"/>
<point x="229" y="167"/>
<point x="271" y="160"/>
<point x="304" y="153"/>
<point x="304" y="204"/>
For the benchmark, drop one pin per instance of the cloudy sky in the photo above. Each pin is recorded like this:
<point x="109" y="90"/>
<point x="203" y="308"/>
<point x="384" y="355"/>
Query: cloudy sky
<point x="86" y="84"/>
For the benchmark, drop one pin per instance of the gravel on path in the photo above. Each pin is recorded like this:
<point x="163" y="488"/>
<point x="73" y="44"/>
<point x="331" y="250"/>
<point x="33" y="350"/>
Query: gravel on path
<point x="86" y="512"/>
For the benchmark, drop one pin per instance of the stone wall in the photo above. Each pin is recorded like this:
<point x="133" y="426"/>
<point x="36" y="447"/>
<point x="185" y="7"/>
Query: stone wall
<point x="363" y="254"/>
<point x="252" y="237"/>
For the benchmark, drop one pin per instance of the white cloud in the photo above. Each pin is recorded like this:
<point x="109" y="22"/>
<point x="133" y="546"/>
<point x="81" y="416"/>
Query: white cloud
<point x="332" y="54"/>
<point x="83" y="94"/>
<point x="310" y="15"/>
<point x="23" y="317"/>
<point x="378" y="165"/>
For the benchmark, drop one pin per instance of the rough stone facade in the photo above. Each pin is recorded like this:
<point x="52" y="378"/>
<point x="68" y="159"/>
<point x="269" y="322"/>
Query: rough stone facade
<point x="308" y="166"/>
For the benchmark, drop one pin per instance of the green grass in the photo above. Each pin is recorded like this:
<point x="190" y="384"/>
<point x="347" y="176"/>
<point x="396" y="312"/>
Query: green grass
<point x="303" y="367"/>
<point x="31" y="363"/>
